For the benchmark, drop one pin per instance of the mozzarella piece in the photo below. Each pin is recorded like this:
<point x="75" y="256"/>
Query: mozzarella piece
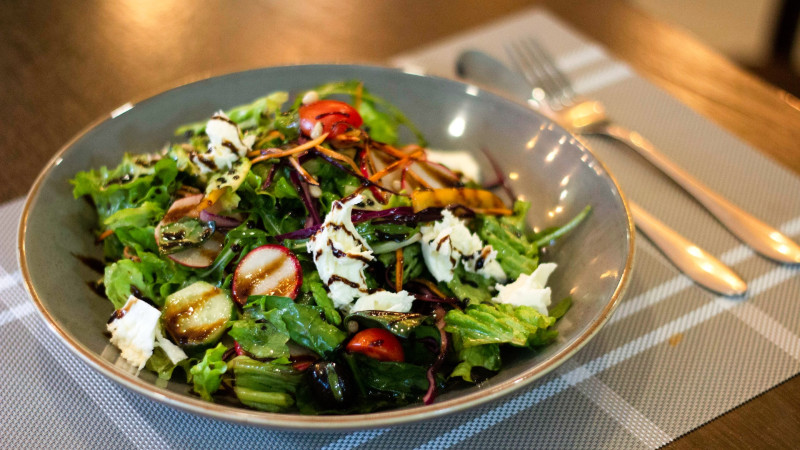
<point x="443" y="244"/>
<point x="225" y="145"/>
<point x="485" y="263"/>
<point x="457" y="161"/>
<point x="134" y="331"/>
<point x="528" y="290"/>
<point x="448" y="241"/>
<point x="384" y="301"/>
<point x="341" y="254"/>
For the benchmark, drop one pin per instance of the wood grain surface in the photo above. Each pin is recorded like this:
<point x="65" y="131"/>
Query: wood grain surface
<point x="64" y="64"/>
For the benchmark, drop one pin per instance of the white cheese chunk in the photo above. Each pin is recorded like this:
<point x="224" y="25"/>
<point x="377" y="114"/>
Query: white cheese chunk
<point x="485" y="263"/>
<point x="225" y="145"/>
<point x="384" y="301"/>
<point x="341" y="254"/>
<point x="528" y="290"/>
<point x="443" y="244"/>
<point x="448" y="241"/>
<point x="134" y="331"/>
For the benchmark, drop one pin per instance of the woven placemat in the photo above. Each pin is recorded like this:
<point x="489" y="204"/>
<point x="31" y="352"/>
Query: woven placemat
<point x="672" y="357"/>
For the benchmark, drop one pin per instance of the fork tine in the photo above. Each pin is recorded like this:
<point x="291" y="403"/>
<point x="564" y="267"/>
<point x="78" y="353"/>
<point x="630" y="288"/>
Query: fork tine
<point x="533" y="73"/>
<point x="548" y="65"/>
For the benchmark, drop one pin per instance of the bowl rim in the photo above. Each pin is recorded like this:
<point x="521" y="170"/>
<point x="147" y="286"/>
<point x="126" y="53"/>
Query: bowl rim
<point x="299" y="422"/>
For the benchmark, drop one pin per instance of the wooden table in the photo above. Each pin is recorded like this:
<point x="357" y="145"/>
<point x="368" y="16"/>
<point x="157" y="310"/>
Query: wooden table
<point x="64" y="64"/>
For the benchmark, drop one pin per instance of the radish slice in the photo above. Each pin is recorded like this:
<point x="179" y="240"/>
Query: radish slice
<point x="202" y="256"/>
<point x="221" y="221"/>
<point x="182" y="207"/>
<point x="267" y="270"/>
<point x="196" y="257"/>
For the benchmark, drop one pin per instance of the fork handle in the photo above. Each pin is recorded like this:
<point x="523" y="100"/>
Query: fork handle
<point x="695" y="262"/>
<point x="761" y="237"/>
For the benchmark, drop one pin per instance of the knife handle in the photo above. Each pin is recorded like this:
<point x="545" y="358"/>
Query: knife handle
<point x="758" y="235"/>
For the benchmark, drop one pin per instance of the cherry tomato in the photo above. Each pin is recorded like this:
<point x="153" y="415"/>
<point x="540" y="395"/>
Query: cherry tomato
<point x="336" y="117"/>
<point x="377" y="343"/>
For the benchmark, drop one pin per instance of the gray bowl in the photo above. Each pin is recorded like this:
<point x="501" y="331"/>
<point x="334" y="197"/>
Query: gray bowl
<point x="550" y="168"/>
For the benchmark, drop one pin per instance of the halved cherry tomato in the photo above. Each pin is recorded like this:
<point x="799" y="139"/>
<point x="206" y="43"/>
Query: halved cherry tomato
<point x="336" y="117"/>
<point x="377" y="343"/>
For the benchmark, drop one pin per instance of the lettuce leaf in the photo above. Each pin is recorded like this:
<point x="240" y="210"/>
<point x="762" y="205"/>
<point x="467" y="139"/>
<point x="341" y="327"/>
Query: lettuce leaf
<point x="265" y="376"/>
<point x="207" y="374"/>
<point x="153" y="278"/>
<point x="148" y="213"/>
<point x="302" y="323"/>
<point x="516" y="252"/>
<point x="486" y="356"/>
<point x="133" y="183"/>
<point x="470" y="287"/>
<point x="257" y="113"/>
<point x="401" y="381"/>
<point x="483" y="323"/>
<point x="263" y="340"/>
<point x="313" y="284"/>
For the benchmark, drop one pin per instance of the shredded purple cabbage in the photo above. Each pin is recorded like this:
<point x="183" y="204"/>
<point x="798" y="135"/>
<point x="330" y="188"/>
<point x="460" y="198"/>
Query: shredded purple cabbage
<point x="270" y="177"/>
<point x="501" y="178"/>
<point x="438" y="314"/>
<point x="222" y="222"/>
<point x="302" y="189"/>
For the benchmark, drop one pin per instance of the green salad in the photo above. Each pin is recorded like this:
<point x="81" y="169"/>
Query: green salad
<point x="291" y="255"/>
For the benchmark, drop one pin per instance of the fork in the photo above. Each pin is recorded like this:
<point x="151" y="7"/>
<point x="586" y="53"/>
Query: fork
<point x="553" y="91"/>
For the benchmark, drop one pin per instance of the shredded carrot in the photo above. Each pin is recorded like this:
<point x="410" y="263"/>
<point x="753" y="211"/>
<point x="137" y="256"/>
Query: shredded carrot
<point x="292" y="151"/>
<point x="296" y="164"/>
<point x="270" y="136"/>
<point x="104" y="235"/>
<point x="431" y="286"/>
<point x="406" y="159"/>
<point x="389" y="150"/>
<point x="339" y="156"/>
<point x="421" y="181"/>
<point x="398" y="271"/>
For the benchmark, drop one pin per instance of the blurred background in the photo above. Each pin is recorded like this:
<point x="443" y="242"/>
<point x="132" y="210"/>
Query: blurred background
<point x="760" y="35"/>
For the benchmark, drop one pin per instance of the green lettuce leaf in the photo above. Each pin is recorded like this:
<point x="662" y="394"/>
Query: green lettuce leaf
<point x="401" y="381"/>
<point x="302" y="323"/>
<point x="207" y="374"/>
<point x="148" y="213"/>
<point x="130" y="185"/>
<point x="268" y="376"/>
<point x="152" y="277"/>
<point x="481" y="324"/>
<point x="313" y="284"/>
<point x="257" y="113"/>
<point x="160" y="363"/>
<point x="263" y="340"/>
<point x="486" y="356"/>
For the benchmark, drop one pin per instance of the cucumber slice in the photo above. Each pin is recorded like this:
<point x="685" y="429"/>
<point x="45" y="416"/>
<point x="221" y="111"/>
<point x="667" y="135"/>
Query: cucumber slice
<point x="197" y="314"/>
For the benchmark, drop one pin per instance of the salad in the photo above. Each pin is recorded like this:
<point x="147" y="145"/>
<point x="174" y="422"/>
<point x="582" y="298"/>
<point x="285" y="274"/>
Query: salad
<point x="292" y="256"/>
